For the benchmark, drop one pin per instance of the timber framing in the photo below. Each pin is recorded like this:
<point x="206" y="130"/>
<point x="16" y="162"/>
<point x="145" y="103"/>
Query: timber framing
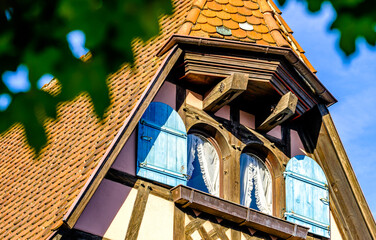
<point x="347" y="201"/>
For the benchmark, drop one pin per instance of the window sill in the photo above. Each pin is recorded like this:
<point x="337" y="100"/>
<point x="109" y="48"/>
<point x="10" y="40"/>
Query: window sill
<point x="192" y="198"/>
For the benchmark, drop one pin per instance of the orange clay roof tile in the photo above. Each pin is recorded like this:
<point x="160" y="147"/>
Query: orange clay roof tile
<point x="215" y="21"/>
<point x="196" y="27"/>
<point x="236" y="3"/>
<point x="267" y="37"/>
<point x="244" y="11"/>
<point x="239" y="33"/>
<point x="251" y="5"/>
<point x="222" y="1"/>
<point x="193" y="15"/>
<point x="253" y="20"/>
<point x="231" y="24"/>
<point x="238" y="18"/>
<point x="230" y="9"/>
<point x="264" y="6"/>
<point x="202" y="19"/>
<point x="216" y="35"/>
<point x="257" y="13"/>
<point x="223" y="15"/>
<point x="199" y="33"/>
<point x="261" y="28"/>
<point x="254" y="35"/>
<point x="199" y="3"/>
<point x="208" y="28"/>
<point x="262" y="42"/>
<point x="208" y="13"/>
<point x="214" y="6"/>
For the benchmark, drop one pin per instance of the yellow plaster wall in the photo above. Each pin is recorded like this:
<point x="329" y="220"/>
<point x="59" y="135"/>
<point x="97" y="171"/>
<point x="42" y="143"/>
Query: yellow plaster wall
<point x="158" y="220"/>
<point x="119" y="225"/>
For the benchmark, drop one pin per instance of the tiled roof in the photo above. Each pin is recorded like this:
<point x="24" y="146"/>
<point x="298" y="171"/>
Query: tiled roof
<point x="257" y="21"/>
<point x="36" y="194"/>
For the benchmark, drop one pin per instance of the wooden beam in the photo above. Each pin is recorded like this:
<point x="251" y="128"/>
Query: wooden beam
<point x="284" y="110"/>
<point x="138" y="211"/>
<point x="225" y="91"/>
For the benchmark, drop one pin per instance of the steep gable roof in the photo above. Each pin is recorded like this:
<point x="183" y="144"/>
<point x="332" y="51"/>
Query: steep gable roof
<point x="36" y="194"/>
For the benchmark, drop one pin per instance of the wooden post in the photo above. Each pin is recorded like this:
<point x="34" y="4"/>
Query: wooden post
<point x="284" y="110"/>
<point x="225" y="91"/>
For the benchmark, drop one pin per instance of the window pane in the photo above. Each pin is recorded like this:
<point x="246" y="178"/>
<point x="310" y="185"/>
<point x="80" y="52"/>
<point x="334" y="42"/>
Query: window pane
<point x="203" y="165"/>
<point x="255" y="184"/>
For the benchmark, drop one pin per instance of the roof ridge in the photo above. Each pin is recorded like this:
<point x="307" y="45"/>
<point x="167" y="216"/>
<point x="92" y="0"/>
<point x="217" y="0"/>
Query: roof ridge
<point x="192" y="17"/>
<point x="271" y="23"/>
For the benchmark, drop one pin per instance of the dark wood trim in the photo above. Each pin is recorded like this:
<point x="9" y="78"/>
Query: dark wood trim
<point x="138" y="211"/>
<point x="235" y="213"/>
<point x="118" y="143"/>
<point x="179" y="223"/>
<point x="310" y="78"/>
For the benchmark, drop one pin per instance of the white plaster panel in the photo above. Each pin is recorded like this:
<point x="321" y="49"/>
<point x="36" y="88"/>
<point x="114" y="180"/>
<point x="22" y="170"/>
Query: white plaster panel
<point x="223" y="112"/>
<point x="158" y="219"/>
<point x="194" y="99"/>
<point x="103" y="207"/>
<point x="126" y="160"/>
<point x="296" y="144"/>
<point x="167" y="94"/>
<point x="247" y="119"/>
<point x="276" y="132"/>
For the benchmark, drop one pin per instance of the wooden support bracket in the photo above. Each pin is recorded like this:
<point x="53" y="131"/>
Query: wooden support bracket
<point x="225" y="91"/>
<point x="284" y="110"/>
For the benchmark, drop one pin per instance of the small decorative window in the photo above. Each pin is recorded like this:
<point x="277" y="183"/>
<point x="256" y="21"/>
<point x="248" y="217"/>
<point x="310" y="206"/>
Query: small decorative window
<point x="255" y="184"/>
<point x="162" y="145"/>
<point x="307" y="195"/>
<point x="203" y="164"/>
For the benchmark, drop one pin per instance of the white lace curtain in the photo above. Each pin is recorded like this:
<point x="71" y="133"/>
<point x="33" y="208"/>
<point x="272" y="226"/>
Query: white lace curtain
<point x="200" y="149"/>
<point x="255" y="176"/>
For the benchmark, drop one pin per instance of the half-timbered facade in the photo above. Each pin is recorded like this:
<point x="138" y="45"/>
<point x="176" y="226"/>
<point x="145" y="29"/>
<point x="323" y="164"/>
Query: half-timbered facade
<point x="222" y="131"/>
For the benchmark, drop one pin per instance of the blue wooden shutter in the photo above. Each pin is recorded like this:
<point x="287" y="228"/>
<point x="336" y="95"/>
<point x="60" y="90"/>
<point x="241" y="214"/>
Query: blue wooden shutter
<point x="162" y="145"/>
<point x="307" y="195"/>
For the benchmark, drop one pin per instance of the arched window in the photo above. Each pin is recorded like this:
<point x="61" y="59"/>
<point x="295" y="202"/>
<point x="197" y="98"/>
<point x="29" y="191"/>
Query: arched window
<point x="203" y="164"/>
<point x="255" y="184"/>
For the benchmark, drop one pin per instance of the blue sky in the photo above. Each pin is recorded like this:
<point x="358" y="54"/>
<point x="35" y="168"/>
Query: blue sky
<point x="352" y="81"/>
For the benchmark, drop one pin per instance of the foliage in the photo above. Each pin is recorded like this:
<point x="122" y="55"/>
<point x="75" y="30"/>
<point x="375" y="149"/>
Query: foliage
<point x="355" y="18"/>
<point x="33" y="33"/>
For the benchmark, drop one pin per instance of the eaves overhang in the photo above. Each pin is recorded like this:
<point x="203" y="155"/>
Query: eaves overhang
<point x="307" y="75"/>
